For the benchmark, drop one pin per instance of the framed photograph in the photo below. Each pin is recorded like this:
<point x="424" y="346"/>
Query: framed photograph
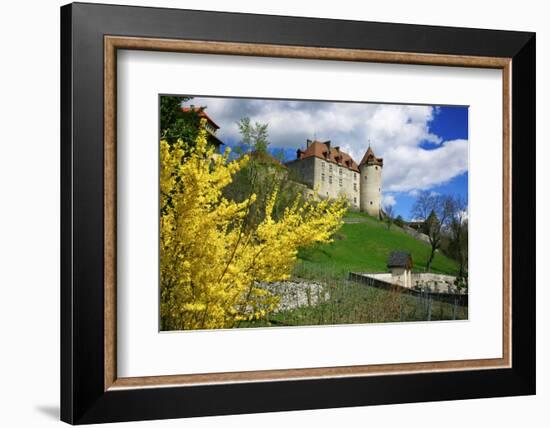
<point x="266" y="213"/>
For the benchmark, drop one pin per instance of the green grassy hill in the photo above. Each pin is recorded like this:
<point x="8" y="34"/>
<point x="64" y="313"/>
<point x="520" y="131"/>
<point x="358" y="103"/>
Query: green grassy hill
<point x="364" y="247"/>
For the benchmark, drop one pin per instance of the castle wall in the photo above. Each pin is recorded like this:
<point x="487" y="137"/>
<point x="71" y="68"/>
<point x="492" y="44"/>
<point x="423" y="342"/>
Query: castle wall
<point x="330" y="180"/>
<point x="303" y="171"/>
<point x="371" y="189"/>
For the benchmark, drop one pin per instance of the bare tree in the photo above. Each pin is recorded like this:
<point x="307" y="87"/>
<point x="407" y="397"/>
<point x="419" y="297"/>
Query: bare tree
<point x="434" y="210"/>
<point x="458" y="233"/>
<point x="389" y="215"/>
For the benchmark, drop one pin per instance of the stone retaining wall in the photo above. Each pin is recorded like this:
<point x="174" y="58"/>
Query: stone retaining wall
<point x="295" y="294"/>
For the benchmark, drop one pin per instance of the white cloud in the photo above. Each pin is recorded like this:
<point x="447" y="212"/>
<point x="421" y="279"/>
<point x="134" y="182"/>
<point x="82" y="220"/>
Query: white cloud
<point x="388" y="200"/>
<point x="394" y="131"/>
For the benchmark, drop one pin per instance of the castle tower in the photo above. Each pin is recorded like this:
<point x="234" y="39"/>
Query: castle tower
<point x="371" y="183"/>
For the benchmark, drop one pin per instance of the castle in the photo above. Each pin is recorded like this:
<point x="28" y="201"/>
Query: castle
<point x="333" y="173"/>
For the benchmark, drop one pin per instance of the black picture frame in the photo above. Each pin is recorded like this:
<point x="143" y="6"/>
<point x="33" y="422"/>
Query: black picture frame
<point x="83" y="398"/>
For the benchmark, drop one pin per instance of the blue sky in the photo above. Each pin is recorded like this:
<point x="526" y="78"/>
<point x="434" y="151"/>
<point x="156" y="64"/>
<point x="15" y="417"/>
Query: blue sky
<point x="450" y="123"/>
<point x="425" y="148"/>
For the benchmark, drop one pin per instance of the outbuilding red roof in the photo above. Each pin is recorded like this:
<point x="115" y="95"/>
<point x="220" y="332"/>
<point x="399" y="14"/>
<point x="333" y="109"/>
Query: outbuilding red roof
<point x="201" y="113"/>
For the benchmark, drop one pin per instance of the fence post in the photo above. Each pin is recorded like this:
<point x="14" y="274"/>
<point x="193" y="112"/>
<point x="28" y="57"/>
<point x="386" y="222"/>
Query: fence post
<point x="455" y="308"/>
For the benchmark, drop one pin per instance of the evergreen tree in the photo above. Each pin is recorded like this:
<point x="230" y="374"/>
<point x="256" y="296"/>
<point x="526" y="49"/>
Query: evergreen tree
<point x="175" y="123"/>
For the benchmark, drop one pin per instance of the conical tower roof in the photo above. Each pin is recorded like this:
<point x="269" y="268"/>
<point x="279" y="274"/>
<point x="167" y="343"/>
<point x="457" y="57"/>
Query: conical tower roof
<point x="370" y="159"/>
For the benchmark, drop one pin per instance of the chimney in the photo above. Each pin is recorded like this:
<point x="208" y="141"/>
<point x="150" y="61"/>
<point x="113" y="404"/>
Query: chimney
<point x="308" y="142"/>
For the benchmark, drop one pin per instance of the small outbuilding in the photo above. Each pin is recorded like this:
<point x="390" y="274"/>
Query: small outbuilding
<point x="400" y="264"/>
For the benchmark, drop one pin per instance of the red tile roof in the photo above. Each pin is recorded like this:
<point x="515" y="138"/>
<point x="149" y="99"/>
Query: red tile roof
<point x="201" y="113"/>
<point x="323" y="150"/>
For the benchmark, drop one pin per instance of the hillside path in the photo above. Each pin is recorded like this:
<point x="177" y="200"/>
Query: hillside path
<point x="353" y="220"/>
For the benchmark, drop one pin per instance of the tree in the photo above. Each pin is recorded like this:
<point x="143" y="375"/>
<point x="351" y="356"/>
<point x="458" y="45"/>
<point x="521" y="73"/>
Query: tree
<point x="253" y="137"/>
<point x="434" y="210"/>
<point x="280" y="155"/>
<point x="210" y="261"/>
<point x="399" y="221"/>
<point x="458" y="233"/>
<point x="175" y="123"/>
<point x="389" y="216"/>
<point x="262" y="175"/>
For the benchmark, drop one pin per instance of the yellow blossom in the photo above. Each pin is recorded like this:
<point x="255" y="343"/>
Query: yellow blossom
<point x="210" y="261"/>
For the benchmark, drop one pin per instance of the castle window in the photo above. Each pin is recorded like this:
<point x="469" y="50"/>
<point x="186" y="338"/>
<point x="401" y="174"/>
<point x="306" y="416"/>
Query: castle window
<point x="340" y="182"/>
<point x="355" y="186"/>
<point x="330" y="179"/>
<point x="323" y="177"/>
<point x="371" y="202"/>
<point x="355" y="176"/>
<point x="330" y="168"/>
<point x="323" y="164"/>
<point x="354" y="200"/>
<point x="365" y="178"/>
<point x="340" y="171"/>
<point x="376" y="168"/>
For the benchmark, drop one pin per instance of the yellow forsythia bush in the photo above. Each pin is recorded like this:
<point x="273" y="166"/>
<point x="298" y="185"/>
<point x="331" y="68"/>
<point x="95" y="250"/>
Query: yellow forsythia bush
<point x="209" y="259"/>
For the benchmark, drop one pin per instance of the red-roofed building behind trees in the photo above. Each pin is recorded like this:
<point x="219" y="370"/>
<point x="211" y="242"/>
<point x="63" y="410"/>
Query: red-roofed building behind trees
<point x="211" y="126"/>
